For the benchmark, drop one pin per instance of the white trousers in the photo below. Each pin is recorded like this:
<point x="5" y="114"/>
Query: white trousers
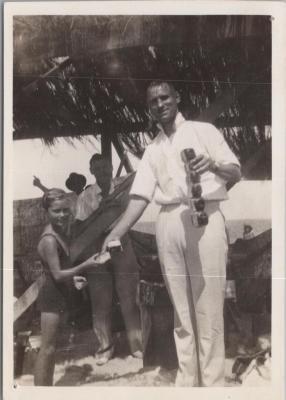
<point x="193" y="262"/>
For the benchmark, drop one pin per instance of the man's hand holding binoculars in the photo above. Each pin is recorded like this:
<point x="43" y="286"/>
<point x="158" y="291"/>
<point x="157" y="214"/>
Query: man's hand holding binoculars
<point x="193" y="165"/>
<point x="202" y="163"/>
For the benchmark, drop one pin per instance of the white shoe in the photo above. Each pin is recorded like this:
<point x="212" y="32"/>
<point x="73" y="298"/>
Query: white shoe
<point x="104" y="355"/>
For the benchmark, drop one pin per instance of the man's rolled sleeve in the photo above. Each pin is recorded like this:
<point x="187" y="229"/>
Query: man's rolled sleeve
<point x="145" y="182"/>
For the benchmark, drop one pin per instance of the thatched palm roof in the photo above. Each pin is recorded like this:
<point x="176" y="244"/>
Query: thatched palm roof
<point x="100" y="67"/>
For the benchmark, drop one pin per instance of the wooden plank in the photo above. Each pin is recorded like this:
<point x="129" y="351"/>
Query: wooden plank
<point x="119" y="170"/>
<point x="28" y="298"/>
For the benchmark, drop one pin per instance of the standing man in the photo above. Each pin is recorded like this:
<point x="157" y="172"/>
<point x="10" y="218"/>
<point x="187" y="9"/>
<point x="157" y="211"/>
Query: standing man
<point x="123" y="268"/>
<point x="193" y="259"/>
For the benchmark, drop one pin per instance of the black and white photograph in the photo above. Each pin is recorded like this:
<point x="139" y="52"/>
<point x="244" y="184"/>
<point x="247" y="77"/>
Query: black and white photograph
<point x="142" y="182"/>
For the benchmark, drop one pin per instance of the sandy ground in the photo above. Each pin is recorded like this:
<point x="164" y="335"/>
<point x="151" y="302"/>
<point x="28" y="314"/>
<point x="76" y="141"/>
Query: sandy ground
<point x="126" y="371"/>
<point x="76" y="367"/>
<point x="75" y="362"/>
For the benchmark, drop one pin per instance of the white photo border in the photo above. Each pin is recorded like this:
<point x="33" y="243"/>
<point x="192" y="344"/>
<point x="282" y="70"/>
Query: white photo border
<point x="277" y="11"/>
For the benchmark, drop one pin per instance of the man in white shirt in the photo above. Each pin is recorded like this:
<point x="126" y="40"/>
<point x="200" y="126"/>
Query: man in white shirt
<point x="124" y="270"/>
<point x="193" y="259"/>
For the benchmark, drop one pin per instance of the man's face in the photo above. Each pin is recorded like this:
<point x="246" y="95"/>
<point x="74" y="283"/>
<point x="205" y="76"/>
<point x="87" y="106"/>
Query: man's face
<point x="102" y="171"/>
<point x="163" y="103"/>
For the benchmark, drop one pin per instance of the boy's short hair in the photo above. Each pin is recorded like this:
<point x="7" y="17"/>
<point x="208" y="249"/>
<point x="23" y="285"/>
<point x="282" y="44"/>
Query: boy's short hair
<point x="98" y="157"/>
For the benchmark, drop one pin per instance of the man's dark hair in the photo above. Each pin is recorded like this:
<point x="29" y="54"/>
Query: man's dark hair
<point x="97" y="157"/>
<point x="159" y="83"/>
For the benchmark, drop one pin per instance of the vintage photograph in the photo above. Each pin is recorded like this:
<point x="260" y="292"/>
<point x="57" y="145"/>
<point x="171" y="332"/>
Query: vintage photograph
<point x="142" y="174"/>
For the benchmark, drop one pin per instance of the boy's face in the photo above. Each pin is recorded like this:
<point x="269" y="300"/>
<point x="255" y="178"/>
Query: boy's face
<point x="59" y="213"/>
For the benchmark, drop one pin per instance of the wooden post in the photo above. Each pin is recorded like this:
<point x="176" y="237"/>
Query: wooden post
<point x="120" y="168"/>
<point x="106" y="146"/>
<point x="121" y="153"/>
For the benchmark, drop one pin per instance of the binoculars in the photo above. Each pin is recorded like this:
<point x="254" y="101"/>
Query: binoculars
<point x="195" y="200"/>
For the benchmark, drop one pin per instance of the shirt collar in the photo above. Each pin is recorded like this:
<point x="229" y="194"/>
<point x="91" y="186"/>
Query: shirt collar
<point x="178" y="121"/>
